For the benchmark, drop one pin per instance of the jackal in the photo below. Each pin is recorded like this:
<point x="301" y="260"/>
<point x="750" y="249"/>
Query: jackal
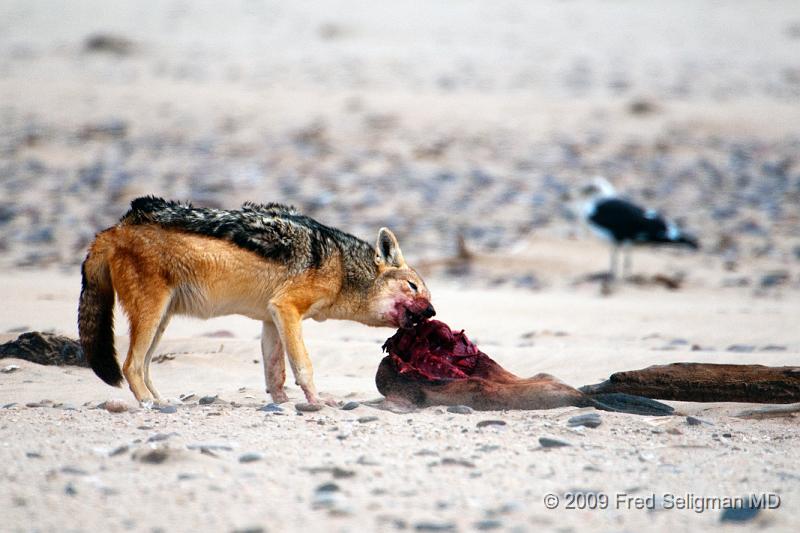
<point x="267" y="262"/>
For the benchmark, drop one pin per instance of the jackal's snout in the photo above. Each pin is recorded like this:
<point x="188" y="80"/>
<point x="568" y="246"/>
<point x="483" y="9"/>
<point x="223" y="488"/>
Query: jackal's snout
<point x="418" y="311"/>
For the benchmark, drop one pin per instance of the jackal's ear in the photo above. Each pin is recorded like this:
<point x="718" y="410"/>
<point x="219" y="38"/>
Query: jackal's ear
<point x="387" y="250"/>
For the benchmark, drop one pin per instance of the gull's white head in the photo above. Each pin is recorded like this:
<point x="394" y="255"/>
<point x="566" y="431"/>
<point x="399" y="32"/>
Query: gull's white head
<point x="598" y="187"/>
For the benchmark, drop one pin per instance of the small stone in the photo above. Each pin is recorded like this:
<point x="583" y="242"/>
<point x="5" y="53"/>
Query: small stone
<point x="115" y="406"/>
<point x="366" y="419"/>
<point x="694" y="421"/>
<point x="186" y="397"/>
<point x="308" y="407"/>
<point x="9" y="369"/>
<point x="549" y="442"/>
<point x="349" y="406"/>
<point x="488" y="524"/>
<point x="249" y="529"/>
<point x="740" y="514"/>
<point x="73" y="470"/>
<point x="167" y="409"/>
<point x="589" y="420"/>
<point x="154" y="456"/>
<point x="674" y="431"/>
<point x="270" y="408"/>
<point x="454" y="461"/>
<point x="434" y="526"/>
<point x="159" y="437"/>
<point x="741" y="348"/>
<point x="251" y="457"/>
<point x="119" y="450"/>
<point x="487" y="423"/>
<point x="210" y="446"/>
<point x="69" y="489"/>
<point x="460" y="409"/>
<point x="33" y="455"/>
<point x="207" y="400"/>
<point x="328" y="487"/>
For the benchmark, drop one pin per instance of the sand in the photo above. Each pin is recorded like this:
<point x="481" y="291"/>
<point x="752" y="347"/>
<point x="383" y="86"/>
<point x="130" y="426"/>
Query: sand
<point x="68" y="465"/>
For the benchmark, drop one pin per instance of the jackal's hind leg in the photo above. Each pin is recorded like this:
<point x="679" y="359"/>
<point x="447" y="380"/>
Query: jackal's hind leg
<point x="274" y="362"/>
<point x="146" y="313"/>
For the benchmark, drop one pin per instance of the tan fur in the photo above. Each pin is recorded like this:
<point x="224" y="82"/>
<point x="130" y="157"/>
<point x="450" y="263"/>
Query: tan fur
<point x="157" y="273"/>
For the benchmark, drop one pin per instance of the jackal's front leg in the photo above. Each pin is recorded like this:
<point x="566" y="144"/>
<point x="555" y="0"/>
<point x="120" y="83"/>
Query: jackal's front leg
<point x="287" y="320"/>
<point x="274" y="362"/>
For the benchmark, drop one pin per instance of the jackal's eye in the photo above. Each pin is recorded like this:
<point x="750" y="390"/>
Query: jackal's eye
<point x="413" y="286"/>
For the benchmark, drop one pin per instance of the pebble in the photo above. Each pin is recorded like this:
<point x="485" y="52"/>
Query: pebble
<point x="153" y="456"/>
<point x="487" y="423"/>
<point x="115" y="406"/>
<point x="159" y="437"/>
<point x="740" y="514"/>
<point x="210" y="446"/>
<point x="741" y="348"/>
<point x="589" y="420"/>
<point x="270" y="408"/>
<point x="251" y="457"/>
<point x="207" y="400"/>
<point x="9" y="369"/>
<point x="550" y="442"/>
<point x="434" y="526"/>
<point x="488" y="524"/>
<point x="349" y="406"/>
<point x="308" y="407"/>
<point x="694" y="421"/>
<point x="167" y="409"/>
<point x="366" y="419"/>
<point x="460" y="409"/>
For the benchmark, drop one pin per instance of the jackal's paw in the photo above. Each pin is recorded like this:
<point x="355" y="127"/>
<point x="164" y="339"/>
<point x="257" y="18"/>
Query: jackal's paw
<point x="279" y="397"/>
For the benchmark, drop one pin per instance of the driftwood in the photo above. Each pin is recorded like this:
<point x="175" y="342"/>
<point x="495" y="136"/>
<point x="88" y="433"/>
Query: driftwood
<point x="703" y="382"/>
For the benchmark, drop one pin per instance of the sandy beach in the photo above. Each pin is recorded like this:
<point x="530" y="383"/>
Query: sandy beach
<point x="453" y="121"/>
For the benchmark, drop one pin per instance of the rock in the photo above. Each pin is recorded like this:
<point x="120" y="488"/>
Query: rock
<point x="460" y="409"/>
<point x="158" y="437"/>
<point x="119" y="450"/>
<point x="487" y="423"/>
<point x="270" y="408"/>
<point x="115" y="406"/>
<point x="774" y="279"/>
<point x="740" y="514"/>
<point x="328" y="487"/>
<point x="366" y="419"/>
<point x="207" y="400"/>
<point x="488" y="524"/>
<point x="249" y="529"/>
<point x="434" y="526"/>
<point x="741" y="348"/>
<point x="75" y="471"/>
<point x="589" y="420"/>
<point x="9" y="369"/>
<point x="210" y="446"/>
<point x="33" y="455"/>
<point x="69" y="489"/>
<point x="454" y="461"/>
<point x="251" y="457"/>
<point x="44" y="349"/>
<point x="308" y="407"/>
<point x="349" y="406"/>
<point x="108" y="44"/>
<point x="167" y="409"/>
<point x="693" y="421"/>
<point x="153" y="456"/>
<point x="550" y="442"/>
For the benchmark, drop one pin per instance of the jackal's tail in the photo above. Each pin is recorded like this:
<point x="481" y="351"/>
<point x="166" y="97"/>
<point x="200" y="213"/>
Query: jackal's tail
<point x="96" y="318"/>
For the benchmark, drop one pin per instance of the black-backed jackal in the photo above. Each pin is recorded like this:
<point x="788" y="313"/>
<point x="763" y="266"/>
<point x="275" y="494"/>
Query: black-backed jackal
<point x="266" y="262"/>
